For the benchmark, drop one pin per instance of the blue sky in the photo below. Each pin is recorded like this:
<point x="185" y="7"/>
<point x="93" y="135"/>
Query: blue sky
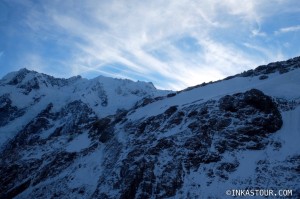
<point x="173" y="44"/>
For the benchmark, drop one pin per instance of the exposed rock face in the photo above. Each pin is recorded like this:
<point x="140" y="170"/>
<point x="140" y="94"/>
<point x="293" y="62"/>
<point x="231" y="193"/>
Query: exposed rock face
<point x="191" y="149"/>
<point x="35" y="155"/>
<point x="8" y="112"/>
<point x="166" y="147"/>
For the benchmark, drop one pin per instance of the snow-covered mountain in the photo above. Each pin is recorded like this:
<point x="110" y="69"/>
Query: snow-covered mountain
<point x="25" y="94"/>
<point x="112" y="138"/>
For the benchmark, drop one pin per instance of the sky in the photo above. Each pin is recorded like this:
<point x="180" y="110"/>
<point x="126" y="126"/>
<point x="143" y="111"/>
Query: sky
<point x="174" y="44"/>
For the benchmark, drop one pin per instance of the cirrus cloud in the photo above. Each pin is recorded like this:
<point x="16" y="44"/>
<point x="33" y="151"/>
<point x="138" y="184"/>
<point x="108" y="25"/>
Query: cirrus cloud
<point x="174" y="44"/>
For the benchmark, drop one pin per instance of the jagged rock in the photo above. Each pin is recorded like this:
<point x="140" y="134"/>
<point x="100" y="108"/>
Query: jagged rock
<point x="262" y="77"/>
<point x="7" y="111"/>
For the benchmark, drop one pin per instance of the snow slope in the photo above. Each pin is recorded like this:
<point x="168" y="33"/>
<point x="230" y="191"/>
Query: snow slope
<point x="277" y="85"/>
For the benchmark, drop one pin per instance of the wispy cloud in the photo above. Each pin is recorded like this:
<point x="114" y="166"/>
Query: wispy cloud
<point x="288" y="29"/>
<point x="175" y="44"/>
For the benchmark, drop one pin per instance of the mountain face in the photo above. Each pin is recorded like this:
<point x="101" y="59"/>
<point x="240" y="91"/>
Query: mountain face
<point x="111" y="138"/>
<point x="26" y="94"/>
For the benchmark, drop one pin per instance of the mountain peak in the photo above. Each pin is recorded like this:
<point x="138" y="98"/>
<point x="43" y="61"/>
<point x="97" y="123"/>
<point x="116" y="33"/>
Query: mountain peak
<point x="16" y="77"/>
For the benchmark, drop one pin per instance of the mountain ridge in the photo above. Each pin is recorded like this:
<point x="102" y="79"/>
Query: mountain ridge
<point x="139" y="142"/>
